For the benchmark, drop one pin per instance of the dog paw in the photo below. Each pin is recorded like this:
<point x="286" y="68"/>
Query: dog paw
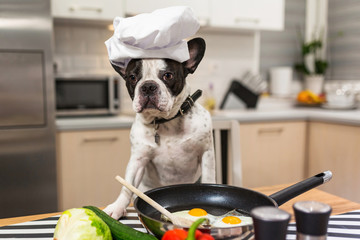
<point x="115" y="211"/>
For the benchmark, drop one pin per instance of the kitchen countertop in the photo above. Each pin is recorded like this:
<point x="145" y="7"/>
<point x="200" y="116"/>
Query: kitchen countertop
<point x="287" y="109"/>
<point x="292" y="114"/>
<point x="86" y="123"/>
<point x="268" y="109"/>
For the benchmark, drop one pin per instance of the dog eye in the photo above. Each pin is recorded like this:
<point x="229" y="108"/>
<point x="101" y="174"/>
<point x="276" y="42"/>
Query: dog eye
<point x="132" y="78"/>
<point x="168" y="76"/>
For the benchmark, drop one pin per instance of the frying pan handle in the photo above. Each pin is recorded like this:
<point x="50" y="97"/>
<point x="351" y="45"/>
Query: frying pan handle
<point x="286" y="194"/>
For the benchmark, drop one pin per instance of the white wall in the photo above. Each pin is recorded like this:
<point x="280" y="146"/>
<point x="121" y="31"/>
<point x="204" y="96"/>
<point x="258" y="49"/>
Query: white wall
<point x="80" y="48"/>
<point x="228" y="56"/>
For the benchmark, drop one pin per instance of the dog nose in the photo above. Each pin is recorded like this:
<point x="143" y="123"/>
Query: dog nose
<point x="149" y="88"/>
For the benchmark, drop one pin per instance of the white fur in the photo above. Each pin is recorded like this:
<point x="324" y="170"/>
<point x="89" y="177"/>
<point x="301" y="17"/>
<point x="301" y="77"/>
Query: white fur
<point x="185" y="152"/>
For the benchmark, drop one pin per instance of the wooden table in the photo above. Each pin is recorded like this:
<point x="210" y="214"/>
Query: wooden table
<point x="338" y="204"/>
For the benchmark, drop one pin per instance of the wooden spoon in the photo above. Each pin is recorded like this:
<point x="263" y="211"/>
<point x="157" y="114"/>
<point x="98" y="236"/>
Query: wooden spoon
<point x="179" y="221"/>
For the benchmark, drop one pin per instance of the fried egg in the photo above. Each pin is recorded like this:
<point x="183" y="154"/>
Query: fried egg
<point x="194" y="214"/>
<point x="230" y="219"/>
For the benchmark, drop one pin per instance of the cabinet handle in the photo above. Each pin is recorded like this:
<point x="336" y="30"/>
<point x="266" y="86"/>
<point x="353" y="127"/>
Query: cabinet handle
<point x="85" y="8"/>
<point x="270" y="130"/>
<point x="246" y="19"/>
<point x="100" y="139"/>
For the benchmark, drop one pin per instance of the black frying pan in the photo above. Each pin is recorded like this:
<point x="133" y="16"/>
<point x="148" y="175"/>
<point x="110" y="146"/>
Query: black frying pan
<point x="216" y="199"/>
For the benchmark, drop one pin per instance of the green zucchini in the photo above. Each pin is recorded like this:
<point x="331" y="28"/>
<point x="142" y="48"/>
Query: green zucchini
<point x="118" y="230"/>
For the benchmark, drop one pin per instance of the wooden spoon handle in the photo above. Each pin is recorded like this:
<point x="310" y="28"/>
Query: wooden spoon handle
<point x="145" y="197"/>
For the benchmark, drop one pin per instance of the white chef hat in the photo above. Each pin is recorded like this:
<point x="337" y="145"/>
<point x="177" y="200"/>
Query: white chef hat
<point x="159" y="34"/>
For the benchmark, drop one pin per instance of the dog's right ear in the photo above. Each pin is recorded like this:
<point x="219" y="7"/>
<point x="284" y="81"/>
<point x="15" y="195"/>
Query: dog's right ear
<point x="119" y="70"/>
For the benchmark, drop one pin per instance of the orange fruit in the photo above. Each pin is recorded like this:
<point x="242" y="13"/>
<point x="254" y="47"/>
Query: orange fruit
<point x="304" y="97"/>
<point x="308" y="97"/>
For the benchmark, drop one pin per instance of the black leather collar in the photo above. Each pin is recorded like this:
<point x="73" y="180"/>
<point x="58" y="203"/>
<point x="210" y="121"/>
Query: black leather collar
<point x="184" y="108"/>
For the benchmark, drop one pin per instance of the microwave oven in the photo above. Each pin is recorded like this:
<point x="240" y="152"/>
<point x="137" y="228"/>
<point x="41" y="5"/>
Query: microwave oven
<point x="87" y="95"/>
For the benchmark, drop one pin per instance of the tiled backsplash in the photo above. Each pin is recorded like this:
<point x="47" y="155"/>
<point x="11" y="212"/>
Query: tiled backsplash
<point x="80" y="49"/>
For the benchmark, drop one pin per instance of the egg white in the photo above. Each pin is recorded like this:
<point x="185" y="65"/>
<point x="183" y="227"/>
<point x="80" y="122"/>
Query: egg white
<point x="220" y="224"/>
<point x="185" y="214"/>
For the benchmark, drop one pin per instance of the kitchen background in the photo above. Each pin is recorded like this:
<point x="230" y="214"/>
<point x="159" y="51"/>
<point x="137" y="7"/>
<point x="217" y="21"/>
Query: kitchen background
<point x="79" y="45"/>
<point x="79" y="48"/>
<point x="242" y="36"/>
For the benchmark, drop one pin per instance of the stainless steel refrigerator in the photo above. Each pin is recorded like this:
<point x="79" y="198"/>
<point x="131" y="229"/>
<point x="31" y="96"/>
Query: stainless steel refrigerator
<point x="27" y="122"/>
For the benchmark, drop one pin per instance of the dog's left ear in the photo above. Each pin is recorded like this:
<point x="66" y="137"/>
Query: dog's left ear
<point x="196" y="50"/>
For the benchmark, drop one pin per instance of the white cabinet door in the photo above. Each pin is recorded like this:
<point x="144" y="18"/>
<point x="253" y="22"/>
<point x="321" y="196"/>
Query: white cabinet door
<point x="88" y="10"/>
<point x="244" y="14"/>
<point x="200" y="7"/>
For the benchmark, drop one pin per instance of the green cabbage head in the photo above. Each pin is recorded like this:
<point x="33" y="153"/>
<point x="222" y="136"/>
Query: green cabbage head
<point x="81" y="224"/>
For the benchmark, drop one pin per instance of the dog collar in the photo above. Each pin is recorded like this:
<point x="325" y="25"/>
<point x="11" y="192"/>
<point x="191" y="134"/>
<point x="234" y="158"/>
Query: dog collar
<point x="184" y="108"/>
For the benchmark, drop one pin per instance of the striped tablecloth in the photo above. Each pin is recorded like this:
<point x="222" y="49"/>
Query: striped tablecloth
<point x="344" y="226"/>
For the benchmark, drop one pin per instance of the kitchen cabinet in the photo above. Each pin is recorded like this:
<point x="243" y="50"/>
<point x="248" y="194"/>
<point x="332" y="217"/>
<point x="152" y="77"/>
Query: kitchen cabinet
<point x="244" y="14"/>
<point x="97" y="10"/>
<point x="233" y="14"/>
<point x="336" y="147"/>
<point x="272" y="153"/>
<point x="87" y="163"/>
<point x="200" y="7"/>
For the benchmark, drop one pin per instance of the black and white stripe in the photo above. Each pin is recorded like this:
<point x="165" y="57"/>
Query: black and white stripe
<point x="39" y="229"/>
<point x="344" y="226"/>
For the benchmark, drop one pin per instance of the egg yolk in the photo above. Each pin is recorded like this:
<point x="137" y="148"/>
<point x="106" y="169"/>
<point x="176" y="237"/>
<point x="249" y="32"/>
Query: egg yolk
<point x="231" y="220"/>
<point x="197" y="212"/>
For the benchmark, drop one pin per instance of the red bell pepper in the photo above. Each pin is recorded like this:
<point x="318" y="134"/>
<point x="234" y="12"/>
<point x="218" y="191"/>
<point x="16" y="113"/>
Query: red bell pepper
<point x="193" y="234"/>
<point x="175" y="234"/>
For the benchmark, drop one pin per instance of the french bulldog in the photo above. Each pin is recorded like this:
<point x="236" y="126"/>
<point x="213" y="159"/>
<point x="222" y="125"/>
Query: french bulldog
<point x="168" y="145"/>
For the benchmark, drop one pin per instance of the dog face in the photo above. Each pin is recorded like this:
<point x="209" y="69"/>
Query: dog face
<point x="155" y="84"/>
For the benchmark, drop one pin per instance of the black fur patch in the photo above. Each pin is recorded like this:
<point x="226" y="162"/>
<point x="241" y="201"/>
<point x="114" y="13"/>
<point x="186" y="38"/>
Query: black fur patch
<point x="133" y="69"/>
<point x="176" y="84"/>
